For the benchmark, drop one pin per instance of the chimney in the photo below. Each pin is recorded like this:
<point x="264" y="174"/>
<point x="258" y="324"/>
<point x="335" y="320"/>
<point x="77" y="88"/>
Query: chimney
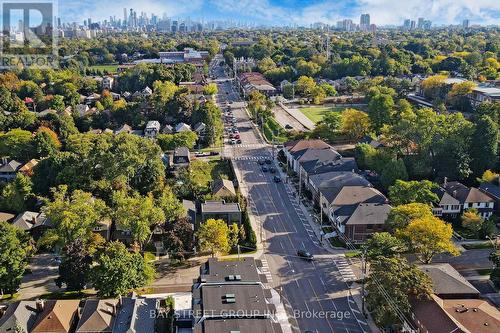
<point x="120" y="302"/>
<point x="40" y="305"/>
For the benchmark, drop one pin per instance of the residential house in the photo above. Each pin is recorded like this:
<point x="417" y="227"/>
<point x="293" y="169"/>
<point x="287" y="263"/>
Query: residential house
<point x="108" y="83"/>
<point x="121" y="234"/>
<point x="182" y="127"/>
<point x="181" y="157"/>
<point x="9" y="169"/>
<point x="82" y="109"/>
<point x="200" y="128"/>
<point x="103" y="228"/>
<point x="447" y="206"/>
<point x="294" y="149"/>
<point x="372" y="142"/>
<point x="27" y="169"/>
<point x="481" y="94"/>
<point x="455" y="315"/>
<point x="136" y="314"/>
<point x="454" y="305"/>
<point x="56" y="316"/>
<point x="190" y="208"/>
<point x="223" y="188"/>
<point x="448" y="283"/>
<point x="493" y="191"/>
<point x="20" y="314"/>
<point x="253" y="81"/>
<point x="98" y="316"/>
<point x="226" y="288"/>
<point x="152" y="129"/>
<point x="146" y="92"/>
<point x="367" y="219"/>
<point x="34" y="223"/>
<point x="229" y="212"/>
<point x="92" y="98"/>
<point x="167" y="129"/>
<point x="326" y="186"/>
<point x="123" y="129"/>
<point x="471" y="197"/>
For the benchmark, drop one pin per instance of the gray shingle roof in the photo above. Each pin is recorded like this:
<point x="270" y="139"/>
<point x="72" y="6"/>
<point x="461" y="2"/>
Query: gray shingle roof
<point x="331" y="183"/>
<point x="134" y="315"/>
<point x="369" y="213"/>
<point x="11" y="166"/>
<point x="22" y="313"/>
<point x="446" y="280"/>
<point x="220" y="207"/>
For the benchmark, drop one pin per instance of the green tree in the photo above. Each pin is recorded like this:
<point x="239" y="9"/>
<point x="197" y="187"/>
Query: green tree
<point x="74" y="215"/>
<point x="169" y="142"/>
<point x="45" y="142"/>
<point x="380" y="109"/>
<point x="137" y="214"/>
<point x="17" y="144"/>
<point x="75" y="266"/>
<point x="405" y="192"/>
<point x="394" y="170"/>
<point x="485" y="148"/>
<point x="428" y="236"/>
<point x="57" y="103"/>
<point x="210" y="89"/>
<point x="14" y="252"/>
<point x="397" y="279"/>
<point x="117" y="271"/>
<point x="178" y="238"/>
<point x="15" y="194"/>
<point x="383" y="245"/>
<point x="213" y="236"/>
<point x="170" y="205"/>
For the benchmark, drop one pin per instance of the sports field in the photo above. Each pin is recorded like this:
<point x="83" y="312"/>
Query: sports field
<point x="316" y="114"/>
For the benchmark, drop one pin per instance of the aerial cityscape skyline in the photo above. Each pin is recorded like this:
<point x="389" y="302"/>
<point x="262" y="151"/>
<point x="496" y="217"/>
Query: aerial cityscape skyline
<point x="291" y="13"/>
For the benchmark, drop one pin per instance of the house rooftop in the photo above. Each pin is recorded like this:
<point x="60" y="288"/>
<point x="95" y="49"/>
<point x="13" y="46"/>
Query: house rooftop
<point x="466" y="194"/>
<point x="22" y="313"/>
<point x="215" y="271"/>
<point x="57" y="316"/>
<point x="447" y="281"/>
<point x="237" y="325"/>
<point x="10" y="167"/>
<point x="220" y="207"/>
<point x="181" y="151"/>
<point x="369" y="213"/>
<point x="135" y="315"/>
<point x="98" y="315"/>
<point x="221" y="184"/>
<point x="331" y="183"/>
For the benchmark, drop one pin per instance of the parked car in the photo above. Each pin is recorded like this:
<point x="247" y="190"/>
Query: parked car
<point x="233" y="141"/>
<point x="264" y="169"/>
<point x="262" y="162"/>
<point x="272" y="170"/>
<point x="277" y="179"/>
<point x="268" y="161"/>
<point x="305" y="255"/>
<point x="238" y="141"/>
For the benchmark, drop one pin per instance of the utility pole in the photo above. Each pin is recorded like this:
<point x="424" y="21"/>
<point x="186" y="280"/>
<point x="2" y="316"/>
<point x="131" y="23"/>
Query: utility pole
<point x="321" y="216"/>
<point x="363" y="274"/>
<point x="238" y="252"/>
<point x="300" y="183"/>
<point x="272" y="144"/>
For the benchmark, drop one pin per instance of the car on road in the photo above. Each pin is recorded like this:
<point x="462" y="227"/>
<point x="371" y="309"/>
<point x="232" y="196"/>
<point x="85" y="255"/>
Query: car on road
<point x="272" y="170"/>
<point x="264" y="169"/>
<point x="238" y="141"/>
<point x="268" y="161"/>
<point x="305" y="255"/>
<point x="233" y="141"/>
<point x="288" y="127"/>
<point x="262" y="162"/>
<point x="236" y="136"/>
<point x="277" y="179"/>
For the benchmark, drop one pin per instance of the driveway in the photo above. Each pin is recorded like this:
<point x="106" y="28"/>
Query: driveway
<point x="44" y="270"/>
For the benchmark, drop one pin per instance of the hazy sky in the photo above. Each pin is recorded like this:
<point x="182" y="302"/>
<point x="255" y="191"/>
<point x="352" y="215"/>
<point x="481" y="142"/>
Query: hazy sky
<point x="302" y="12"/>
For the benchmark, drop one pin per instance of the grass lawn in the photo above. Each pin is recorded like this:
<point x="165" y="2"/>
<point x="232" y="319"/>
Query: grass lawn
<point x="316" y="114"/>
<point x="271" y="126"/>
<point x="105" y="68"/>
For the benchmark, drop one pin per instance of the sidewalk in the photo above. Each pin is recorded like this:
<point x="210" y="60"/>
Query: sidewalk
<point x="355" y="292"/>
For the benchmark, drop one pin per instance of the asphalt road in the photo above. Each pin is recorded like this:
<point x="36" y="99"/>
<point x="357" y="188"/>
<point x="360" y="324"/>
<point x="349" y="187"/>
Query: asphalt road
<point x="315" y="292"/>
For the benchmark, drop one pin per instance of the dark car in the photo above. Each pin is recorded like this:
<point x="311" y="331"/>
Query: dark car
<point x="272" y="170"/>
<point x="305" y="255"/>
<point x="214" y="153"/>
<point x="262" y="162"/>
<point x="238" y="141"/>
<point x="268" y="161"/>
<point x="264" y="169"/>
<point x="277" y="179"/>
<point x="288" y="127"/>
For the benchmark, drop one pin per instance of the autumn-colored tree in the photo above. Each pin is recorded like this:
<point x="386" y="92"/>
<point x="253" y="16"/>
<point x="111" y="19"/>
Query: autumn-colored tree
<point x="428" y="236"/>
<point x="401" y="216"/>
<point x="489" y="177"/>
<point x="355" y="124"/>
<point x="213" y="236"/>
<point x="472" y="221"/>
